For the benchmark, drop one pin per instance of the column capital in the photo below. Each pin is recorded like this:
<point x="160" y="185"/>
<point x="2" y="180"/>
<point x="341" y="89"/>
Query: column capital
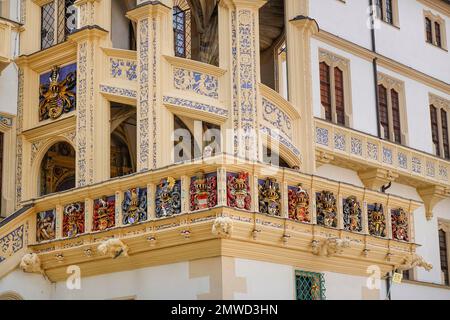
<point x="88" y="33"/>
<point x="254" y="4"/>
<point x="147" y="9"/>
<point x="306" y="23"/>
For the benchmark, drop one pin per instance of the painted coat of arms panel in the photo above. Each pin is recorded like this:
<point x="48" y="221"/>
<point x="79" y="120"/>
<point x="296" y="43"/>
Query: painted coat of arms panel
<point x="104" y="213"/>
<point x="326" y="209"/>
<point x="238" y="190"/>
<point x="377" y="220"/>
<point x="298" y="200"/>
<point x="46" y="225"/>
<point x="168" y="198"/>
<point x="203" y="191"/>
<point x="269" y="197"/>
<point x="352" y="214"/>
<point x="134" y="206"/>
<point x="73" y="219"/>
<point x="400" y="224"/>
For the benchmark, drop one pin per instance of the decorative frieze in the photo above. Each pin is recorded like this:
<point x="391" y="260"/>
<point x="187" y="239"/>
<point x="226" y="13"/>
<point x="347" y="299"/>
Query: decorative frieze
<point x="123" y="69"/>
<point x="196" y="82"/>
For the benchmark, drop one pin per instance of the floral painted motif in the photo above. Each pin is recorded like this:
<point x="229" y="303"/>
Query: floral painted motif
<point x="123" y="69"/>
<point x="399" y="225"/>
<point x="46" y="226"/>
<point x="73" y="219"/>
<point x="238" y="190"/>
<point x="326" y="209"/>
<point x="134" y="206"/>
<point x="277" y="117"/>
<point x="298" y="200"/>
<point x="269" y="197"/>
<point x="57" y="97"/>
<point x="352" y="214"/>
<point x="377" y="220"/>
<point x="11" y="243"/>
<point x="104" y="213"/>
<point x="197" y="82"/>
<point x="168" y="197"/>
<point x="203" y="191"/>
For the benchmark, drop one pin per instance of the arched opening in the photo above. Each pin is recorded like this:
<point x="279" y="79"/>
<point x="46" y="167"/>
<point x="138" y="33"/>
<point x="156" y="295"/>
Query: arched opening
<point x="123" y="140"/>
<point x="10" y="295"/>
<point x="273" y="49"/>
<point x="57" y="169"/>
<point x="274" y="158"/>
<point x="194" y="139"/>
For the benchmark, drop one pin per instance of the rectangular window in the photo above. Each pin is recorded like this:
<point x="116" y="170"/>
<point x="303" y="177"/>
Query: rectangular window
<point x="437" y="28"/>
<point x="380" y="9"/>
<point x="339" y="93"/>
<point x="179" y="30"/>
<point x="65" y="16"/>
<point x="47" y="25"/>
<point x="310" y="286"/>
<point x="443" y="254"/>
<point x="435" y="130"/>
<point x="383" y="110"/>
<point x="325" y="89"/>
<point x="389" y="12"/>
<point x="396" y="116"/>
<point x="429" y="30"/>
<point x="445" y="134"/>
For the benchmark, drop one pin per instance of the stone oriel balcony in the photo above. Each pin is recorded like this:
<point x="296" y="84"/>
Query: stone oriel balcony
<point x="229" y="208"/>
<point x="378" y="161"/>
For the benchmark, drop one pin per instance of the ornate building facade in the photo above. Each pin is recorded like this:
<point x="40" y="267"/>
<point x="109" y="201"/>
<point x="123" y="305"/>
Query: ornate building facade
<point x="224" y="149"/>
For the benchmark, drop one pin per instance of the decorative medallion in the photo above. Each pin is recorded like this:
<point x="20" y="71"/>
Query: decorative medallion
<point x="269" y="197"/>
<point x="46" y="226"/>
<point x="377" y="220"/>
<point x="298" y="200"/>
<point x="73" y="219"/>
<point x="399" y="224"/>
<point x="104" y="213"/>
<point x="203" y="191"/>
<point x="57" y="97"/>
<point x="168" y="197"/>
<point x="326" y="209"/>
<point x="352" y="214"/>
<point x="238" y="190"/>
<point x="134" y="206"/>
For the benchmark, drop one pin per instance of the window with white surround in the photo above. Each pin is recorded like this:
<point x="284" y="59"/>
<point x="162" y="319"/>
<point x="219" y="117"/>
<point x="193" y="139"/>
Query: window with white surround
<point x="335" y="90"/>
<point x="435" y="33"/>
<point x="439" y="116"/>
<point x="391" y="109"/>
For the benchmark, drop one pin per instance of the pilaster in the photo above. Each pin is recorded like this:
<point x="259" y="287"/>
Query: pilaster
<point x="299" y="30"/>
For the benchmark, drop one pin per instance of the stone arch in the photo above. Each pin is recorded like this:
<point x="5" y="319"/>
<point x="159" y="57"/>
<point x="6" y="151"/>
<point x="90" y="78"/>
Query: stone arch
<point x="40" y="155"/>
<point x="286" y="154"/>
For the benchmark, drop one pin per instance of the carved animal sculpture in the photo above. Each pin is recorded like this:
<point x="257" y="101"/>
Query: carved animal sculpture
<point x="31" y="263"/>
<point x="413" y="261"/>
<point x="113" y="248"/>
<point x="330" y="247"/>
<point x="222" y="227"/>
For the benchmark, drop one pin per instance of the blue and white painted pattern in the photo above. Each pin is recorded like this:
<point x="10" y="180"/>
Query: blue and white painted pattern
<point x="274" y="135"/>
<point x="196" y="82"/>
<point x="372" y="151"/>
<point x="322" y="136"/>
<point x="277" y="118"/>
<point x="443" y="173"/>
<point x="118" y="91"/>
<point x="431" y="169"/>
<point x="179" y="102"/>
<point x="339" y="141"/>
<point x="123" y="69"/>
<point x="11" y="243"/>
<point x="416" y="165"/>
<point x="387" y="156"/>
<point x="356" y="146"/>
<point x="7" y="121"/>
<point x="402" y="160"/>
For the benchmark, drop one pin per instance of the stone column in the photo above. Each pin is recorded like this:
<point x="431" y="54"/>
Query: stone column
<point x="154" y="27"/>
<point x="299" y="30"/>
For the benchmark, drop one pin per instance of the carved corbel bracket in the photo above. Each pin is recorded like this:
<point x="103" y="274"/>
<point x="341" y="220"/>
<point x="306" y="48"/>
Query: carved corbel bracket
<point x="222" y="227"/>
<point x="329" y="247"/>
<point x="413" y="261"/>
<point x="431" y="196"/>
<point x="374" y="179"/>
<point x="323" y="157"/>
<point x="113" y="248"/>
<point x="31" y="263"/>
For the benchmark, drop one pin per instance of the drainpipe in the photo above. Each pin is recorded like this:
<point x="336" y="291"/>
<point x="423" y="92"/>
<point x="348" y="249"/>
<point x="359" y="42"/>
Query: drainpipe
<point x="375" y="65"/>
<point x="388" y="286"/>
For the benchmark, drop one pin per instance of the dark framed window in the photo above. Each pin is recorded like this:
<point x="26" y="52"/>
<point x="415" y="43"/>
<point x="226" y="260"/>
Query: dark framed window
<point x="383" y="110"/>
<point x="429" y="31"/>
<point x="325" y="89"/>
<point x="339" y="94"/>
<point x="380" y="9"/>
<point x="64" y="14"/>
<point x="389" y="12"/>
<point x="435" y="130"/>
<point x="179" y="31"/>
<point x="445" y="134"/>
<point x="309" y="285"/>
<point x="443" y="250"/>
<point x="396" y="116"/>
<point x="437" y="29"/>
